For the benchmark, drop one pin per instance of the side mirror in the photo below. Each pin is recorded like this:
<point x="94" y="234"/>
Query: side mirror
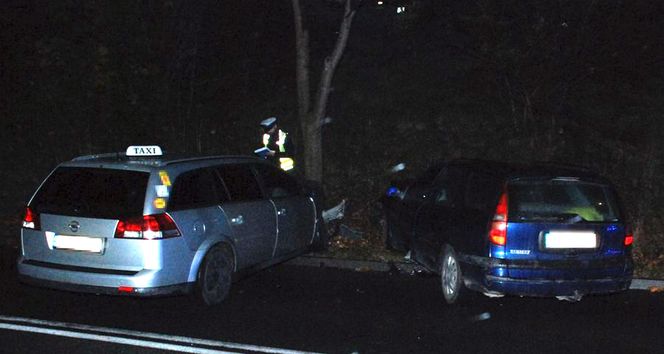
<point x="397" y="168"/>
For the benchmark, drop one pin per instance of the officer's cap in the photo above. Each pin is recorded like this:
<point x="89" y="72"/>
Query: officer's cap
<point x="268" y="123"/>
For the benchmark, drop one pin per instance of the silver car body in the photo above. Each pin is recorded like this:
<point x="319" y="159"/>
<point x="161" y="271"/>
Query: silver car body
<point x="82" y="253"/>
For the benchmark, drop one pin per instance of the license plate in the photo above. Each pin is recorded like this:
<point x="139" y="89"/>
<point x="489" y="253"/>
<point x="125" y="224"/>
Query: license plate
<point x="78" y="243"/>
<point x="570" y="239"/>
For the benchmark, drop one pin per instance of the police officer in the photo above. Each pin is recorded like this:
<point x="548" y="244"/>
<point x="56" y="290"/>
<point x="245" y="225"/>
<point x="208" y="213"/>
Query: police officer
<point x="279" y="143"/>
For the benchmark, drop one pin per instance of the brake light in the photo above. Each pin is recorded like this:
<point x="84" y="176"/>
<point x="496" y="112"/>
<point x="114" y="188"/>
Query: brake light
<point x="498" y="232"/>
<point x="629" y="237"/>
<point x="147" y="227"/>
<point x="31" y="219"/>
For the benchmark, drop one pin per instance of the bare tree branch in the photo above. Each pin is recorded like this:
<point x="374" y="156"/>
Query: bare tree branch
<point x="331" y="63"/>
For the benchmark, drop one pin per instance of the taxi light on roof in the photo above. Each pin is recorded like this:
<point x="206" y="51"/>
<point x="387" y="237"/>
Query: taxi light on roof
<point x="144" y="150"/>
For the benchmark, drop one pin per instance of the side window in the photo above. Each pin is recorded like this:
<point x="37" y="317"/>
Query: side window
<point x="422" y="188"/>
<point x="430" y="174"/>
<point x="194" y="189"/>
<point x="277" y="183"/>
<point x="240" y="182"/>
<point x="481" y="192"/>
<point x="450" y="186"/>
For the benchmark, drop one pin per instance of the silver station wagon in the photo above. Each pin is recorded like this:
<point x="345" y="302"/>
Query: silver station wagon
<point x="145" y="223"/>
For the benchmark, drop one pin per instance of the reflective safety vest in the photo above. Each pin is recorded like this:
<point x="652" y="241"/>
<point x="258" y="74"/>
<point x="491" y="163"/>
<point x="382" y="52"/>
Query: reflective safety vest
<point x="286" y="163"/>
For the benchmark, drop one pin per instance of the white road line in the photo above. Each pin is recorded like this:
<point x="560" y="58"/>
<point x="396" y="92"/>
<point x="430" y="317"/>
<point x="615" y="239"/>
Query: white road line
<point x="109" y="339"/>
<point x="73" y="327"/>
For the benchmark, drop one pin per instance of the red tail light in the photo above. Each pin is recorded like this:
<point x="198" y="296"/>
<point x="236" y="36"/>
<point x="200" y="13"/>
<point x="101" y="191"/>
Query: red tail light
<point x="147" y="227"/>
<point x="498" y="232"/>
<point x="629" y="237"/>
<point x="31" y="219"/>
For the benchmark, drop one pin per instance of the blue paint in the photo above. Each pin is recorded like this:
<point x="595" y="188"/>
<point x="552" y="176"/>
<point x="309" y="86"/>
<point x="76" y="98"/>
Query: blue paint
<point x="392" y="192"/>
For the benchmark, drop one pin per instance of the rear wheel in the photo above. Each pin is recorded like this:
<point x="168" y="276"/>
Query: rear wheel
<point x="214" y="276"/>
<point x="451" y="276"/>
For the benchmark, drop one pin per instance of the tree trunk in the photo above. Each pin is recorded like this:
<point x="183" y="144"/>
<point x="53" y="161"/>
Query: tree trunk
<point x="301" y="67"/>
<point x="311" y="119"/>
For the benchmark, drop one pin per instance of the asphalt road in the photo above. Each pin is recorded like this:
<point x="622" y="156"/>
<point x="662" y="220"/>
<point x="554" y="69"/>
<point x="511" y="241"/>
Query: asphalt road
<point x="334" y="311"/>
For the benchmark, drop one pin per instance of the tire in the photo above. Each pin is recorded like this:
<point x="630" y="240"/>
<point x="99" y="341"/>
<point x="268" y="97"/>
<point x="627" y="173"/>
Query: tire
<point x="214" y="275"/>
<point x="451" y="276"/>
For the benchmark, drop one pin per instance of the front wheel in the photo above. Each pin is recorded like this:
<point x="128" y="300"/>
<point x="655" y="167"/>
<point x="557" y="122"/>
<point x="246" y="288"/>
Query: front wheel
<point x="451" y="276"/>
<point x="214" y="275"/>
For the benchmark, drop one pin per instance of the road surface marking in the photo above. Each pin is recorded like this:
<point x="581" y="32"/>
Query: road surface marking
<point x="109" y="339"/>
<point x="73" y="330"/>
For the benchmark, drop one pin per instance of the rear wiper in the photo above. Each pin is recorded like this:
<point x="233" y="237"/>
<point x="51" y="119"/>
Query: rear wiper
<point x="567" y="218"/>
<point x="572" y="218"/>
<point x="538" y="217"/>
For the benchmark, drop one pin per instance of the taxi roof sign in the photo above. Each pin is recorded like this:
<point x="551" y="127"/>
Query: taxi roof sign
<point x="144" y="150"/>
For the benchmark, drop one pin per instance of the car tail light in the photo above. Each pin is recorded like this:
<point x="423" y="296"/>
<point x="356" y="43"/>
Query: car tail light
<point x="147" y="227"/>
<point x="629" y="237"/>
<point x="498" y="232"/>
<point x="31" y="219"/>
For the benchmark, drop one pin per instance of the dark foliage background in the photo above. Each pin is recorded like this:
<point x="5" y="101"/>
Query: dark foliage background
<point x="578" y="82"/>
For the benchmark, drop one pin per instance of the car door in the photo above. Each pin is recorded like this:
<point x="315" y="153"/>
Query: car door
<point x="251" y="216"/>
<point x="416" y="195"/>
<point x="438" y="217"/>
<point x="296" y="214"/>
<point x="194" y="206"/>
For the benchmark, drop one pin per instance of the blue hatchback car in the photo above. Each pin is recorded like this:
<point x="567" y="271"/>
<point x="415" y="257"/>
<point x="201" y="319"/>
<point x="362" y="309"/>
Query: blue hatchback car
<point x="498" y="228"/>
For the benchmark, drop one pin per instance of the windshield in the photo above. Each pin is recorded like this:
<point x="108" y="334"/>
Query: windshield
<point x="568" y="201"/>
<point x="92" y="192"/>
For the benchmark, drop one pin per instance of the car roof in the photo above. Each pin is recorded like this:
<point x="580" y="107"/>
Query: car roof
<point x="512" y="170"/>
<point x="121" y="160"/>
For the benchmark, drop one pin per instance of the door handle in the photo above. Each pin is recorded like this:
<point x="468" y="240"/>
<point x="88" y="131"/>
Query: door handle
<point x="238" y="220"/>
<point x="281" y="211"/>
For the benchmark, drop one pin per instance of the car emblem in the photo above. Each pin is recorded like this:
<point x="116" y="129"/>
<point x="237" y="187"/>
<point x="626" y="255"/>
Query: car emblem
<point x="74" y="226"/>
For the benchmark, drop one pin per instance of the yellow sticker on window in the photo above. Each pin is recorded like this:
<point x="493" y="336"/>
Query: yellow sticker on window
<point x="165" y="180"/>
<point x="159" y="203"/>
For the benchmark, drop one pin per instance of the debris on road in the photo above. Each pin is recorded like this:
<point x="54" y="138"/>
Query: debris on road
<point x="656" y="289"/>
<point x="481" y="317"/>
<point x="349" y="233"/>
<point x="335" y="213"/>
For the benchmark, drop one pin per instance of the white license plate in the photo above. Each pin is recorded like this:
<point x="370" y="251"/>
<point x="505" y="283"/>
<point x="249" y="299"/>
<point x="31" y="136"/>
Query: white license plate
<point x="78" y="243"/>
<point x="570" y="239"/>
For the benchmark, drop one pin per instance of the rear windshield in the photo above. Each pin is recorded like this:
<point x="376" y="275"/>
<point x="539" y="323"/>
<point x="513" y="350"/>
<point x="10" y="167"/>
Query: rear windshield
<point x="92" y="192"/>
<point x="561" y="201"/>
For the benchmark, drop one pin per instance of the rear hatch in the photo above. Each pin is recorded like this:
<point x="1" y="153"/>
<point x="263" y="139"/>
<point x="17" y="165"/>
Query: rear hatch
<point x="571" y="228"/>
<point x="76" y="212"/>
